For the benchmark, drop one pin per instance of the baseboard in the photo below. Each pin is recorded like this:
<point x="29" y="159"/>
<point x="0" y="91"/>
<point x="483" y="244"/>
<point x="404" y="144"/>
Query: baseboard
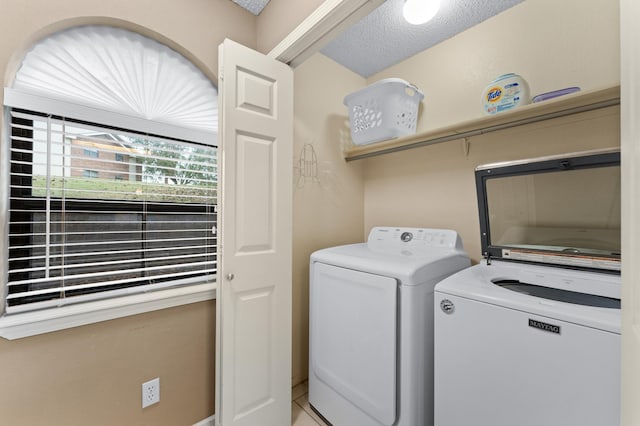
<point x="209" y="421"/>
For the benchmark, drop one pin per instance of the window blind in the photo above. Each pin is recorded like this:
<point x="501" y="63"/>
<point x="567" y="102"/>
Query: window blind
<point x="99" y="212"/>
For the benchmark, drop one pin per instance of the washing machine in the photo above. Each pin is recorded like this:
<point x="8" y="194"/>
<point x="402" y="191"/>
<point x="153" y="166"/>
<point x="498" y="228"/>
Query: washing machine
<point x="371" y="326"/>
<point x="530" y="336"/>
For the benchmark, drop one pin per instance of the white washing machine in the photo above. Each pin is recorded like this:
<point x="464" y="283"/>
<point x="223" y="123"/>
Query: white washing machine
<point x="531" y="335"/>
<point x="371" y="326"/>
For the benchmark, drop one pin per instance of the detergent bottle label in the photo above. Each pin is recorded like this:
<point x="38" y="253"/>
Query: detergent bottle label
<point x="504" y="93"/>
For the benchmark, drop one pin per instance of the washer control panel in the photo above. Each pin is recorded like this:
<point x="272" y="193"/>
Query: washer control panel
<point x="414" y="237"/>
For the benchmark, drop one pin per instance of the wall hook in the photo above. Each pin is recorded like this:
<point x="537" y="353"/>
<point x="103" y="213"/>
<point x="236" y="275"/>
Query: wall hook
<point x="307" y="166"/>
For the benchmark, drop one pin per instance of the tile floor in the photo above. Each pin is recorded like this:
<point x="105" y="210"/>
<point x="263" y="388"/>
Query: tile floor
<point x="301" y="412"/>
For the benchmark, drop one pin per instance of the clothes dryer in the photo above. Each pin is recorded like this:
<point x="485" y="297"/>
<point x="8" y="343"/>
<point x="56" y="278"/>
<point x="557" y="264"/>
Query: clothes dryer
<point x="371" y="326"/>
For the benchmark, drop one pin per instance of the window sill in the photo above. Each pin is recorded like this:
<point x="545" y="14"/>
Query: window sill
<point x="28" y="324"/>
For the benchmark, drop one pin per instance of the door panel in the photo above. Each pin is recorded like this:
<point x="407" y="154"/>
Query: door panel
<point x="255" y="171"/>
<point x="254" y="319"/>
<point x="353" y="321"/>
<point x="253" y="363"/>
<point x="256" y="92"/>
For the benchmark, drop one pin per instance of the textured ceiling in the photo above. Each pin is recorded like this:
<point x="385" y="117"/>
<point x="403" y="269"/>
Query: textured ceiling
<point x="384" y="38"/>
<point x="253" y="6"/>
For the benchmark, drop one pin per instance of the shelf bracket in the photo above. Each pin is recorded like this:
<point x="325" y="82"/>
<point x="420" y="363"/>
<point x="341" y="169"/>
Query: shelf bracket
<point x="466" y="143"/>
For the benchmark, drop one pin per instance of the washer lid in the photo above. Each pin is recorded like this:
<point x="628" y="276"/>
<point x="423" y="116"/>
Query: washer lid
<point x="562" y="210"/>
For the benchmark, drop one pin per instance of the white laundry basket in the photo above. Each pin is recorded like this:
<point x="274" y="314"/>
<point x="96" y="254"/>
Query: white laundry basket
<point x="384" y="110"/>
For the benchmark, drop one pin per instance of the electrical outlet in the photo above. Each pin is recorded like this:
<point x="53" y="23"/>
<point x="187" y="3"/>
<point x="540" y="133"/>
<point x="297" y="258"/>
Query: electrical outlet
<point x="150" y="392"/>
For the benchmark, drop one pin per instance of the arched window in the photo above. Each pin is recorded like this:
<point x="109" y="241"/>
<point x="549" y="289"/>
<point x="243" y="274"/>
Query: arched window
<point x="113" y="171"/>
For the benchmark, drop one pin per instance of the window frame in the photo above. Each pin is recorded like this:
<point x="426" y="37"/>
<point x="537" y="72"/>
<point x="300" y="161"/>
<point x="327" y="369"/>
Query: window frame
<point x="32" y="323"/>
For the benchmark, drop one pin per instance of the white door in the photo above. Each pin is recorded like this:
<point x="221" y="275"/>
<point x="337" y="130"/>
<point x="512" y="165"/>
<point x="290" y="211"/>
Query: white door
<point x="630" y="131"/>
<point x="253" y="365"/>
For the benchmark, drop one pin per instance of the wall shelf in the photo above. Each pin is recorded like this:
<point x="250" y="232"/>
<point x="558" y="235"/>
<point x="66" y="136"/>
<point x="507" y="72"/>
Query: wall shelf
<point x="532" y="113"/>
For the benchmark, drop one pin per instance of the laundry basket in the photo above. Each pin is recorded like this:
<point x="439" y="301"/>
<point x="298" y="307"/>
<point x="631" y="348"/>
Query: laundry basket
<point x="384" y="110"/>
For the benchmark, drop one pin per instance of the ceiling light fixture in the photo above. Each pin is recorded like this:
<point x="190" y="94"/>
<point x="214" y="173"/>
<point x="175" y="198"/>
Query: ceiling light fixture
<point x="418" y="12"/>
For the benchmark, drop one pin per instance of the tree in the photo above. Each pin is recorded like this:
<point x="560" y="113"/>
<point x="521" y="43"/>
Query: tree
<point x="177" y="164"/>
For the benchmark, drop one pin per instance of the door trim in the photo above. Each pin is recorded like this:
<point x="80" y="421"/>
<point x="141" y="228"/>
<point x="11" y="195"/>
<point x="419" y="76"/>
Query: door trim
<point x="630" y="148"/>
<point x="326" y="22"/>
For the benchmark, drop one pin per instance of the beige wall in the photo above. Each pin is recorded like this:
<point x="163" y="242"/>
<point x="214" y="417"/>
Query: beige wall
<point x="193" y="27"/>
<point x="279" y="18"/>
<point x="327" y="211"/>
<point x="93" y="374"/>
<point x="435" y="186"/>
<point x="552" y="45"/>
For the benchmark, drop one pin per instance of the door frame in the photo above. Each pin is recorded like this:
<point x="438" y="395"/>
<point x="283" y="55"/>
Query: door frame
<point x="630" y="159"/>
<point x="324" y="24"/>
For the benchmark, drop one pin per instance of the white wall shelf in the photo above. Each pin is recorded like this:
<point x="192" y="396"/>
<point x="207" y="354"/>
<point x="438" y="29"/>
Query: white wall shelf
<point x="532" y="113"/>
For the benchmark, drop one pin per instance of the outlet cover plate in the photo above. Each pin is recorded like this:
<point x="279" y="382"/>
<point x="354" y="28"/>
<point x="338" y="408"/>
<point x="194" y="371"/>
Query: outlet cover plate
<point x="151" y="392"/>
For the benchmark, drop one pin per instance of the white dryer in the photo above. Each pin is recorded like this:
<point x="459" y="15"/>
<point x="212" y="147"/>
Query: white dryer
<point x="531" y="335"/>
<point x="371" y="326"/>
